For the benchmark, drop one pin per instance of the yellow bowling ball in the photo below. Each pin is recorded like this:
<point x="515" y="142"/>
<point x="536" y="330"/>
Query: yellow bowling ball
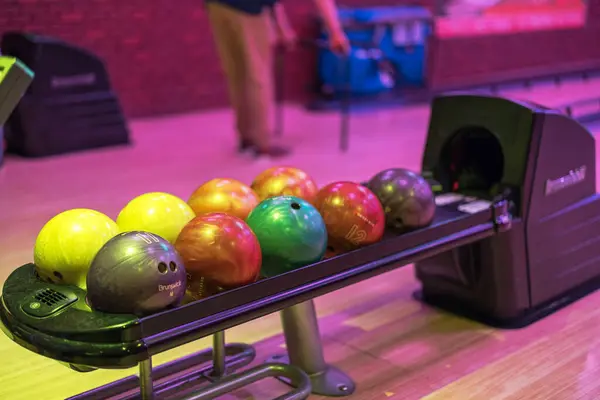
<point x="163" y="214"/>
<point x="67" y="244"/>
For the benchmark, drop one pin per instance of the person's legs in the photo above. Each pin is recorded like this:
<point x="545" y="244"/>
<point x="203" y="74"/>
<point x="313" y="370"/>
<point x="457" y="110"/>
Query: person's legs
<point x="245" y="48"/>
<point x="258" y="76"/>
<point x="229" y="43"/>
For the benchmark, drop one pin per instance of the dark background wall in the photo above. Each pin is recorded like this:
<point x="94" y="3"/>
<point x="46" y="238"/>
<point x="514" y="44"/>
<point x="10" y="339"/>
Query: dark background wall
<point x="161" y="57"/>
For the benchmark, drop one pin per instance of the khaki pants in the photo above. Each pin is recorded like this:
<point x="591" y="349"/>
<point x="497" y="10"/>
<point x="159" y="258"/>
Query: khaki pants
<point x="244" y="46"/>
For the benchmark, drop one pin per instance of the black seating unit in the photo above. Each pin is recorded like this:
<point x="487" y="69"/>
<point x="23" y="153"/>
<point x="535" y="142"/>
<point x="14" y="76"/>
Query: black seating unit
<point x="69" y="107"/>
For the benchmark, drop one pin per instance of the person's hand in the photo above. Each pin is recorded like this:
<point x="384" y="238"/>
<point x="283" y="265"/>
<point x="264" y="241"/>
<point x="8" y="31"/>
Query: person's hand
<point x="338" y="42"/>
<point x="287" y="38"/>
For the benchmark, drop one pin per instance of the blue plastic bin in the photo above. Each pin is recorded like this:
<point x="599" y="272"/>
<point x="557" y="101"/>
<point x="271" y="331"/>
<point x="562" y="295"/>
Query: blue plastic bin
<point x="389" y="46"/>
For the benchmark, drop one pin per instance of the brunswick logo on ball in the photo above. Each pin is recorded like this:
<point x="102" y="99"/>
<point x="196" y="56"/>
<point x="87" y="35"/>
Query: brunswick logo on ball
<point x="162" y="288"/>
<point x="574" y="177"/>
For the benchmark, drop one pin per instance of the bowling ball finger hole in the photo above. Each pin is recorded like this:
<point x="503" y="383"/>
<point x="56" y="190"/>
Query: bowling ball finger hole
<point x="162" y="268"/>
<point x="173" y="266"/>
<point x="58" y="275"/>
<point x="295" y="206"/>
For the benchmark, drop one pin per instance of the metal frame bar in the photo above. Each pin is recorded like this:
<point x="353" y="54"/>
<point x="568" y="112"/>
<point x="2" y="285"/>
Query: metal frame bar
<point x="146" y="382"/>
<point x="279" y="90"/>
<point x="305" y="351"/>
<point x="236" y="381"/>
<point x="346" y="95"/>
<point x="220" y="382"/>
<point x="188" y="369"/>
<point x="346" y="106"/>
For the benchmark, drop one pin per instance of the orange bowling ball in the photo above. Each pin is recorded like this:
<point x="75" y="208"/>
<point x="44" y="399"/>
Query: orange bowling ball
<point x="228" y="196"/>
<point x="219" y="252"/>
<point x="353" y="216"/>
<point x="285" y="181"/>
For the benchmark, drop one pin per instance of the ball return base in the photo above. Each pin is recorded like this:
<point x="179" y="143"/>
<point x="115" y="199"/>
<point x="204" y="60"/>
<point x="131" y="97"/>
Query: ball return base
<point x="204" y="366"/>
<point x="450" y="305"/>
<point x="301" y="331"/>
<point x="308" y="373"/>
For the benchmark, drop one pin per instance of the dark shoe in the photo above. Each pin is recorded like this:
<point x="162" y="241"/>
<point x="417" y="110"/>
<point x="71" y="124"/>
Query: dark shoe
<point x="272" y="152"/>
<point x="245" y="146"/>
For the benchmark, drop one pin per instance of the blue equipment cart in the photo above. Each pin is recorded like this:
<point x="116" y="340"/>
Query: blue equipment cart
<point x="389" y="46"/>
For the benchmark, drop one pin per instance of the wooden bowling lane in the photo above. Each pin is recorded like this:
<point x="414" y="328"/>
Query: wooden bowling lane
<point x="459" y="359"/>
<point x="559" y="359"/>
<point x="393" y="346"/>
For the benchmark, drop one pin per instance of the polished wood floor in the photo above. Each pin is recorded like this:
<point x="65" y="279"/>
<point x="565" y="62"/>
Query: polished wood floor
<point x="393" y="346"/>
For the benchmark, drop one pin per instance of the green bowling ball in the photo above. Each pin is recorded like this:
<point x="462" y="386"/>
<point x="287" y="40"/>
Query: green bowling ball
<point x="291" y="233"/>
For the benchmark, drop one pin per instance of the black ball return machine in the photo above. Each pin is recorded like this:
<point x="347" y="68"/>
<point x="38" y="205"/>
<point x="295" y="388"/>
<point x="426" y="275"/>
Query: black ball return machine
<point x="514" y="238"/>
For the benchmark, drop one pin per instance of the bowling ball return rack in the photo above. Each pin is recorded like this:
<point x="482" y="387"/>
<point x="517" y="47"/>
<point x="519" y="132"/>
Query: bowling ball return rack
<point x="56" y="322"/>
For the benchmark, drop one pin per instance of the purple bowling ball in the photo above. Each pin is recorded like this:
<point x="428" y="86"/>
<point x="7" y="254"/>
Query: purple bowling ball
<point x="406" y="197"/>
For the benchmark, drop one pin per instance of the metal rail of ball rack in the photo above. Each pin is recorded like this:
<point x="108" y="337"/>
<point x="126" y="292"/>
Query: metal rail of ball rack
<point x="304" y="367"/>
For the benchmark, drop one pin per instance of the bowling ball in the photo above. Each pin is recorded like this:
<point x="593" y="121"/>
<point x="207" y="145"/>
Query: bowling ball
<point x="219" y="252"/>
<point x="353" y="216"/>
<point x="285" y="181"/>
<point x="67" y="244"/>
<point x="227" y="196"/>
<point x="291" y="233"/>
<point x="136" y="273"/>
<point x="159" y="213"/>
<point x="406" y="197"/>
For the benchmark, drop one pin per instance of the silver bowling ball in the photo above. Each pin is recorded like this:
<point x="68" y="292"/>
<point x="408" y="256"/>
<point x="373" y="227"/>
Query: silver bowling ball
<point x="136" y="273"/>
<point x="406" y="197"/>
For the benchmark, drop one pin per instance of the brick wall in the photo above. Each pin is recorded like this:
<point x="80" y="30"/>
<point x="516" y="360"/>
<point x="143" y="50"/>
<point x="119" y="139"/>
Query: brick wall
<point x="162" y="60"/>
